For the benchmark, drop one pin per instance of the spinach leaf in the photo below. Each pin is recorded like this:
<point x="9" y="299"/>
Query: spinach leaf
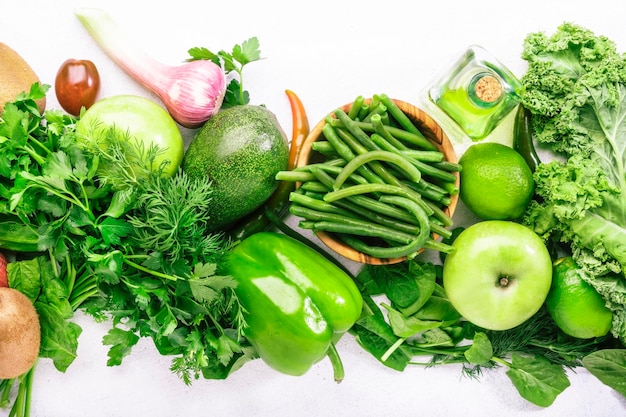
<point x="59" y="337"/>
<point x="609" y="366"/>
<point x="536" y="379"/>
<point x="407" y="326"/>
<point x="481" y="350"/>
<point x="407" y="285"/>
<point x="375" y="336"/>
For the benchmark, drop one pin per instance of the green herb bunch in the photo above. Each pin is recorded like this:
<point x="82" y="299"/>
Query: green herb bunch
<point x="124" y="244"/>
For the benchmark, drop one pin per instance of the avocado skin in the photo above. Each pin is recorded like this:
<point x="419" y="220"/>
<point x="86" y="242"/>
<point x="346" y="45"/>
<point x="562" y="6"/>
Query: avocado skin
<point x="241" y="149"/>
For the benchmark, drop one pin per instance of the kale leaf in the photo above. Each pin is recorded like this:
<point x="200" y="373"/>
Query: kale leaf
<point x="575" y="87"/>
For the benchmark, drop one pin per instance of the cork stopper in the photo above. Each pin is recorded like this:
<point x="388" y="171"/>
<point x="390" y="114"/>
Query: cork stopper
<point x="488" y="89"/>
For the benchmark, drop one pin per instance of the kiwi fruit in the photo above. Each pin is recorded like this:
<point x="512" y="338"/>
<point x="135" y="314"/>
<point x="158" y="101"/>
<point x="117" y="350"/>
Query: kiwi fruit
<point x="16" y="76"/>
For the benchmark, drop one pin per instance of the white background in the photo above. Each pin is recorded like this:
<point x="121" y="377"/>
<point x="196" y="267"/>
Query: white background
<point x="328" y="52"/>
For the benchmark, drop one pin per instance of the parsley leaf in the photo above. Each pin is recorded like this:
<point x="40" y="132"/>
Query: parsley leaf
<point x="234" y="61"/>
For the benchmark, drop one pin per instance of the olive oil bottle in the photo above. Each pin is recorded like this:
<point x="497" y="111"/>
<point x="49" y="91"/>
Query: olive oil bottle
<point x="477" y="92"/>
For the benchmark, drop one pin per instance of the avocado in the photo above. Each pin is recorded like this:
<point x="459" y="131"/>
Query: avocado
<point x="241" y="149"/>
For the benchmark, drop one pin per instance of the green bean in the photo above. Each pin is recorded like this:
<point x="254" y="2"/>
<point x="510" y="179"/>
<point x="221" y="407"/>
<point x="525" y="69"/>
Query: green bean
<point x="324" y="147"/>
<point x="417" y="211"/>
<point x="432" y="171"/>
<point x="404" y="164"/>
<point x="306" y="224"/>
<point x="311" y="194"/>
<point x="379" y="218"/>
<point x="397" y="113"/>
<point x="323" y="178"/>
<point x="294" y="176"/>
<point x="365" y="229"/>
<point x="376" y="111"/>
<point x="410" y="154"/>
<point x="356" y="107"/>
<point x="375" y="205"/>
<point x="438" y="246"/>
<point x="350" y="141"/>
<point x="448" y="166"/>
<point x="363" y="201"/>
<point x="379" y="169"/>
<point x="342" y="149"/>
<point x="371" y="188"/>
<point x="330" y="164"/>
<point x="439" y="230"/>
<point x="385" y="140"/>
<point x="374" y="101"/>
<point x="409" y="248"/>
<point x="381" y="129"/>
<point x="333" y="221"/>
<point x="365" y="108"/>
<point x="450" y="187"/>
<point x="405" y="136"/>
<point x="439" y="214"/>
<point x="386" y="181"/>
<point x="333" y="169"/>
<point x="381" y="208"/>
<point x="355" y="130"/>
<point x="427" y="190"/>
<point x="346" y="153"/>
<point x="314" y="186"/>
<point x="315" y="204"/>
<point x="424" y="156"/>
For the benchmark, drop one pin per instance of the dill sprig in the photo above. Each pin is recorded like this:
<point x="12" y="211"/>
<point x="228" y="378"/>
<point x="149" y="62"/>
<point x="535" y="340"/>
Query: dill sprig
<point x="170" y="216"/>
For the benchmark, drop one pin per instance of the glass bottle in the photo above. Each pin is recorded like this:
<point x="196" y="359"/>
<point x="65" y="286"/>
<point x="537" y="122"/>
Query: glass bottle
<point x="477" y="92"/>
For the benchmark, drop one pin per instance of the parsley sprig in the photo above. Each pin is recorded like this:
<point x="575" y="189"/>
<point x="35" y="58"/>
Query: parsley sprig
<point x="232" y="62"/>
<point x="116" y="241"/>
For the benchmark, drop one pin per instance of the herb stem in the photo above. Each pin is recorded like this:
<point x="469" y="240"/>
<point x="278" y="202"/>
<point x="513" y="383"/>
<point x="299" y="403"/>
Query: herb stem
<point x="392" y="349"/>
<point x="77" y="301"/>
<point x="150" y="271"/>
<point x="501" y="361"/>
<point x="70" y="275"/>
<point x="40" y="160"/>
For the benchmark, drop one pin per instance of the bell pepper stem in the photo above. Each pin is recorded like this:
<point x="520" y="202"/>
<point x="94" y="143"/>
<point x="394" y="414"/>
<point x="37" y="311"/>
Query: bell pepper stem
<point x="336" y="362"/>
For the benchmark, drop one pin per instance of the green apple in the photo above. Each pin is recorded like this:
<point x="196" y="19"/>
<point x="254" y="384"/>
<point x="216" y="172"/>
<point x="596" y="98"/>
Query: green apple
<point x="499" y="274"/>
<point x="145" y="122"/>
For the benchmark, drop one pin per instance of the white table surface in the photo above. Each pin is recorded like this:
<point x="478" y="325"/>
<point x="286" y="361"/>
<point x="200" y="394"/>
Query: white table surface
<point x="328" y="52"/>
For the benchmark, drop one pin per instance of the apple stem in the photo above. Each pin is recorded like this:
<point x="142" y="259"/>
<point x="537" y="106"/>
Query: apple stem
<point x="504" y="281"/>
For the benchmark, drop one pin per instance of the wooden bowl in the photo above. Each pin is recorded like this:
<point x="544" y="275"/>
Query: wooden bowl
<point x="431" y="130"/>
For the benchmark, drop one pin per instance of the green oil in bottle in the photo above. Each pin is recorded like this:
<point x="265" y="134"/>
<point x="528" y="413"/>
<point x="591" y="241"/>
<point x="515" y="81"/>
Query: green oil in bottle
<point x="477" y="92"/>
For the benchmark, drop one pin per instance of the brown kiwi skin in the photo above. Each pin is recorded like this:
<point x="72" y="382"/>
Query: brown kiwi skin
<point x="20" y="333"/>
<point x="16" y="76"/>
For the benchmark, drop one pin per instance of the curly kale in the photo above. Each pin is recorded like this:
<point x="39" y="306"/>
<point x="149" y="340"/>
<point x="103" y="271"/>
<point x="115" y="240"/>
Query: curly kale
<point x="575" y="87"/>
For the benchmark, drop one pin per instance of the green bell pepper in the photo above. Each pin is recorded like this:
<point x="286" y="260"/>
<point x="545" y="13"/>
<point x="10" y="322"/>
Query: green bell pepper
<point x="297" y="303"/>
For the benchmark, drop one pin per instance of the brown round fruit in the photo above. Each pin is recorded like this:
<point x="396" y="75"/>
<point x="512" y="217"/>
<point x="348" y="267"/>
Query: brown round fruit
<point x="20" y="333"/>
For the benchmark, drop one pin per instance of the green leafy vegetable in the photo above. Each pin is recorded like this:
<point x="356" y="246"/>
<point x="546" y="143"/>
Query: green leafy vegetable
<point x="233" y="61"/>
<point x="535" y="352"/>
<point x="575" y="87"/>
<point x="609" y="366"/>
<point x="536" y="379"/>
<point x="124" y="244"/>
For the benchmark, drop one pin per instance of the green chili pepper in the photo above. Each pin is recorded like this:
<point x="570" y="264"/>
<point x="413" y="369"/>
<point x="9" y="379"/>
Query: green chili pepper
<point x="297" y="303"/>
<point x="523" y="138"/>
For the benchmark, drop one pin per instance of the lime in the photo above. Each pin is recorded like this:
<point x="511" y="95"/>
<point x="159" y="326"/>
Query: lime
<point x="496" y="182"/>
<point x="576" y="307"/>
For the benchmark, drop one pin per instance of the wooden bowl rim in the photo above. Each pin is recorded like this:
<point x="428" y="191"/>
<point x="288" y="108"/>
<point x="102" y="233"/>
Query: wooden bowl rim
<point x="433" y="132"/>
